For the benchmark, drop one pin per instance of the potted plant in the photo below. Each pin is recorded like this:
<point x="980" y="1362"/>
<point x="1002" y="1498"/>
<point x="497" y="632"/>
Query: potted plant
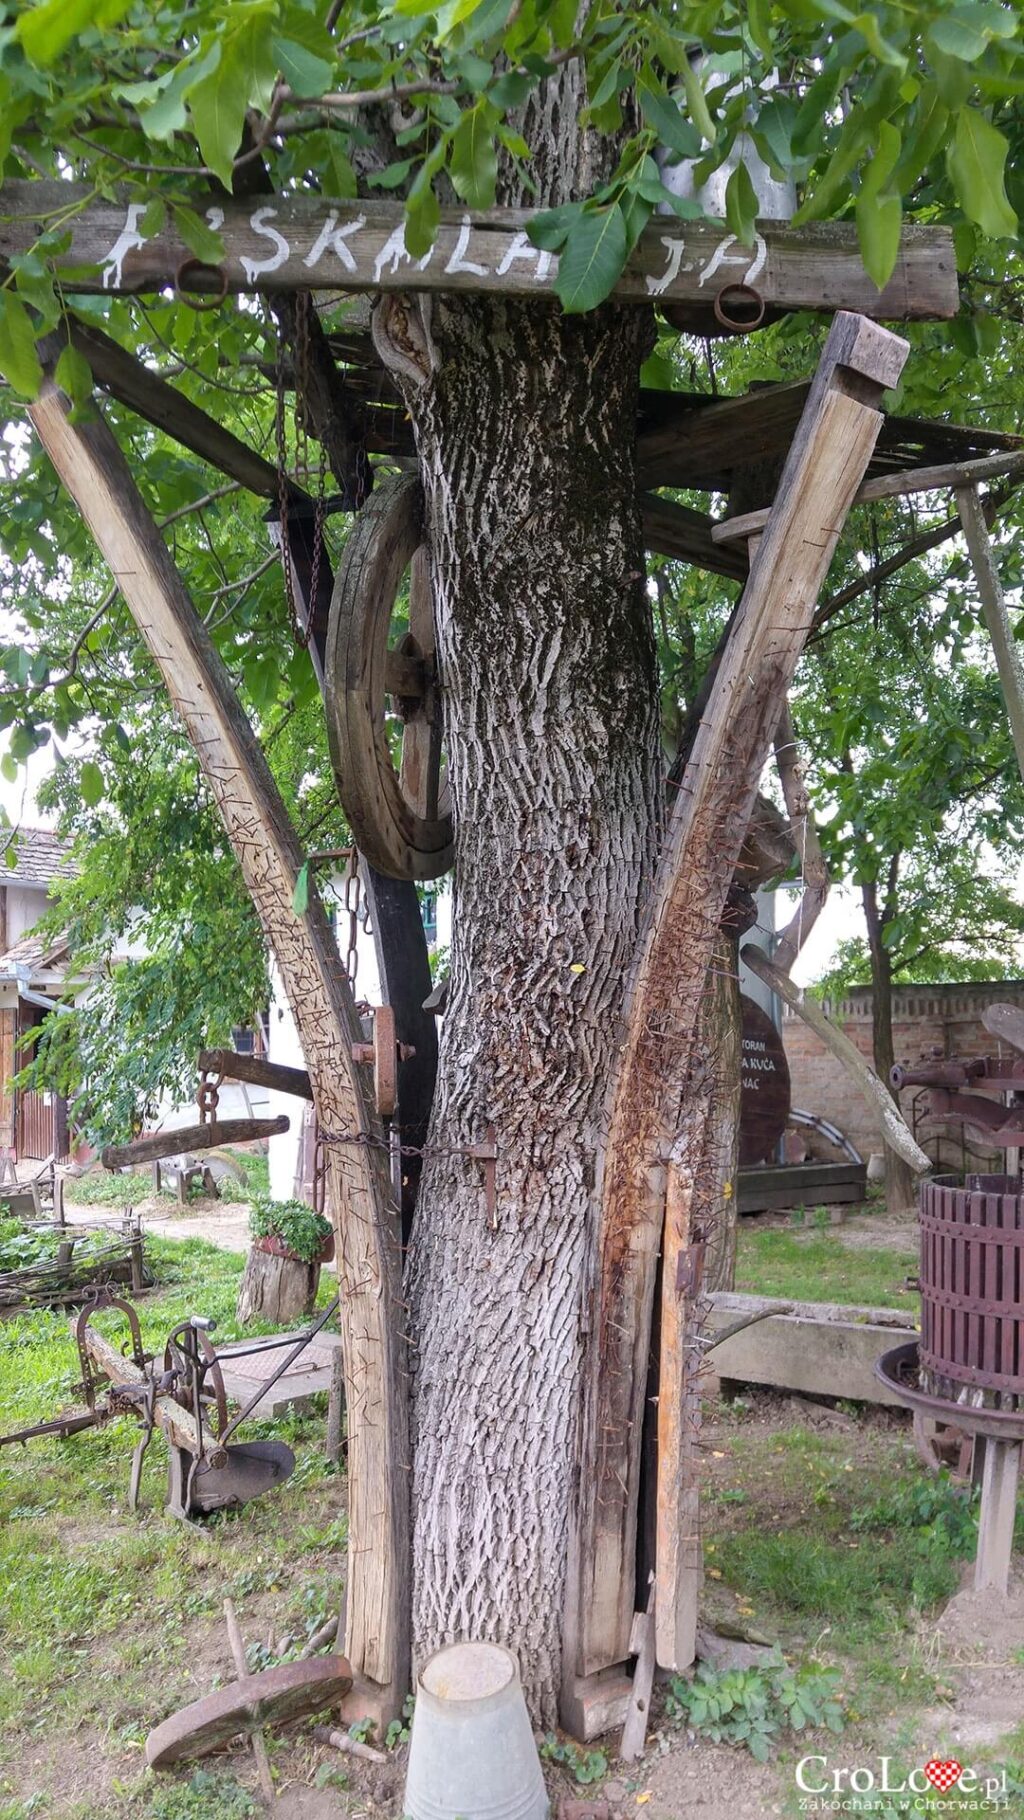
<point x="282" y="1272"/>
<point x="290" y="1229"/>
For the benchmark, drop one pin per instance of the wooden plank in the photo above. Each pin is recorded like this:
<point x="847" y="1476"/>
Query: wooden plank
<point x="957" y="474"/>
<point x="822" y="472"/>
<point x="91" y="466"/>
<point x="215" y="1135"/>
<point x="167" y="409"/>
<point x="1000" y="1476"/>
<point x="997" y="618"/>
<point x="671" y="529"/>
<point x="677" y="1546"/>
<point x="304" y="242"/>
<point x="255" y="1068"/>
<point x="178" y="1424"/>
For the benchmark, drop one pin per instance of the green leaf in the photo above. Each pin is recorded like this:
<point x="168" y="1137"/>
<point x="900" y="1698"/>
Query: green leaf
<point x="90" y="782"/>
<point x="74" y="375"/>
<point x="473" y="164"/>
<point x="879" y="211"/>
<point x="198" y="237"/>
<point x="45" y="31"/>
<point x="243" y="77"/>
<point x="662" y="113"/>
<point x="977" y="162"/>
<point x="300" y="896"/>
<point x="956" y="38"/>
<point x="697" y="103"/>
<point x="549" y="228"/>
<point x="594" y="255"/>
<point x="741" y="205"/>
<point x="306" y="73"/>
<point x="19" y="358"/>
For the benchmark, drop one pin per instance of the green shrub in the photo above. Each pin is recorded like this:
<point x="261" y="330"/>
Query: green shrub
<point x="295" y="1224"/>
<point x="754" y="1706"/>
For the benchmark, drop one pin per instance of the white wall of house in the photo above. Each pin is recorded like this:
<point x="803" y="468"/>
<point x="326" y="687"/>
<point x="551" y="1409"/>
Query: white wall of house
<point x="25" y="905"/>
<point x="284" y="1045"/>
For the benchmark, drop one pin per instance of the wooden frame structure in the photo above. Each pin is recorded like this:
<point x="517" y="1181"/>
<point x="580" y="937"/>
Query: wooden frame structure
<point x="828" y="434"/>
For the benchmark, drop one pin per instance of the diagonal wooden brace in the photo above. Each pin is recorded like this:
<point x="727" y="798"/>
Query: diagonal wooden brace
<point x="822" y="473"/>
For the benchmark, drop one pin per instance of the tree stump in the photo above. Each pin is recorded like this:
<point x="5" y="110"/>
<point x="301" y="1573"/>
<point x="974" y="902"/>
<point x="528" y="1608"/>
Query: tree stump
<point x="277" y="1287"/>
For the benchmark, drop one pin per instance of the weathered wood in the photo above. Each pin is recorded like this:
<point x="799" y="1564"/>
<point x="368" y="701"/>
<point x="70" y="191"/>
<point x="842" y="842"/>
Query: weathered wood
<point x="997" y="618"/>
<point x="397" y="836"/>
<point x="671" y="529"/>
<point x="1000" y="1476"/>
<point x="956" y="474"/>
<point x="634" y="1732"/>
<point x="297" y="242"/>
<point x="822" y="472"/>
<point x="256" y="1738"/>
<point x="897" y="1132"/>
<point x="255" y="1068"/>
<point x="804" y="830"/>
<point x="91" y="466"/>
<point x="129" y="381"/>
<point x="276" y="1289"/>
<point x="177" y="1423"/>
<point x="214" y="1135"/>
<point x="678" y="1557"/>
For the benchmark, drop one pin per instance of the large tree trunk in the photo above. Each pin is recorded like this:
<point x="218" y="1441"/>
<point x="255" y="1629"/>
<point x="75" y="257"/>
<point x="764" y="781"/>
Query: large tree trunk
<point x="525" y="428"/>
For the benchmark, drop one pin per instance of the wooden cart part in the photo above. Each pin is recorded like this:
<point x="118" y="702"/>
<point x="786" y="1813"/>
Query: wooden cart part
<point x="216" y="1134"/>
<point x="292" y="1690"/>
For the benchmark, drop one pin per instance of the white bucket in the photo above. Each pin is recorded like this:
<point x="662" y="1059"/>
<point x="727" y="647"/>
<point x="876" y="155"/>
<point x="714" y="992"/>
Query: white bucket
<point x="472" y="1754"/>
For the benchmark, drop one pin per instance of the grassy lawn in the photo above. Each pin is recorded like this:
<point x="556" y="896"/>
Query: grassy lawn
<point x="109" y="1622"/>
<point x="835" y="1543"/>
<point x="807" y="1265"/>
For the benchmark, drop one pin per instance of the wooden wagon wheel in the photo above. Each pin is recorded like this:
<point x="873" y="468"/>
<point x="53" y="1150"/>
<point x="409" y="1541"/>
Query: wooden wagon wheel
<point x="292" y="1690"/>
<point x="399" y="820"/>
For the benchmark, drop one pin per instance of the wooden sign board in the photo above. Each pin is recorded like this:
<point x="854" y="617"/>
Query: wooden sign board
<point x="289" y="243"/>
<point x="764" y="1086"/>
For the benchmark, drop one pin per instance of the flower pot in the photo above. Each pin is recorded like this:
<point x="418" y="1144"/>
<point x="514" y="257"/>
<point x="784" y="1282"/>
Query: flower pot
<point x="275" y="1247"/>
<point x="472" y="1754"/>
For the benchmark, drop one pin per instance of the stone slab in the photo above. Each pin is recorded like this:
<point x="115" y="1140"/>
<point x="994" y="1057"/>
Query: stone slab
<point x="309" y="1374"/>
<point x="820" y="1349"/>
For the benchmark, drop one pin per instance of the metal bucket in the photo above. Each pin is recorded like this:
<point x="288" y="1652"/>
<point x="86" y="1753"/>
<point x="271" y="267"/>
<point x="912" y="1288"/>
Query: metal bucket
<point x="472" y="1754"/>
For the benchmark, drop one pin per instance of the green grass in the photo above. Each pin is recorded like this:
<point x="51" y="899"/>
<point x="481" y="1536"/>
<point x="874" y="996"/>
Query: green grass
<point x="101" y="1612"/>
<point x="100" y="1188"/>
<point x="818" y="1267"/>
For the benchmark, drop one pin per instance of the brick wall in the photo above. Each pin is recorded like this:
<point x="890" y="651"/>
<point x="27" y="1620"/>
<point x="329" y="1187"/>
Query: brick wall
<point x="926" y="1019"/>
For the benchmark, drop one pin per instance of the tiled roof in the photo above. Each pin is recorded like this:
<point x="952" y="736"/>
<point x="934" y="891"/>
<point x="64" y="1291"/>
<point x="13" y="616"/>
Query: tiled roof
<point x="41" y="857"/>
<point x="35" y="954"/>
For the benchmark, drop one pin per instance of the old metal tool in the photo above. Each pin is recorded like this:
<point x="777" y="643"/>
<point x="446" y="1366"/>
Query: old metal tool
<point x="181" y="1393"/>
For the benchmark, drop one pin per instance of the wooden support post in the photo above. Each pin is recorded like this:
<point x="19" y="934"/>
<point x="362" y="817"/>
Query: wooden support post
<point x="678" y="1559"/>
<point x="255" y="1068"/>
<point x="898" y="1134"/>
<point x="997" y="619"/>
<point x="91" y="466"/>
<point x="834" y="442"/>
<point x="1000" y="1476"/>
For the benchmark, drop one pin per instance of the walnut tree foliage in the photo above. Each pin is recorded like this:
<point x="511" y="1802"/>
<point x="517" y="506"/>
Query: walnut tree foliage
<point x="878" y="115"/>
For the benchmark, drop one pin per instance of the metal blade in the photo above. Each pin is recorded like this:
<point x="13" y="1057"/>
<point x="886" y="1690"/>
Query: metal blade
<point x="252" y="1467"/>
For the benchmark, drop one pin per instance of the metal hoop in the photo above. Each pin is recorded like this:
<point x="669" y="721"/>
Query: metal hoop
<point x="192" y="265"/>
<point x="744" y="294"/>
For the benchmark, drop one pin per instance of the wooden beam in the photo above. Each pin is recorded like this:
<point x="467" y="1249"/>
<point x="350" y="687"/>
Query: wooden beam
<point x="234" y="1067"/>
<point x="677" y="1547"/>
<point x="97" y="476"/>
<point x="167" y="409"/>
<point x="676" y="530"/>
<point x="303" y="242"/>
<point x="997" y="618"/>
<point x="216" y="1134"/>
<point x="178" y="1424"/>
<point x="823" y="470"/>
<point x="898" y="1135"/>
<point x="958" y="474"/>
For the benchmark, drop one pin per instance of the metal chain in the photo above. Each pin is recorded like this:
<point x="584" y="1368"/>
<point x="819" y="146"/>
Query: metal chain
<point x="281" y="436"/>
<point x="351" y="904"/>
<point x="303" y="370"/>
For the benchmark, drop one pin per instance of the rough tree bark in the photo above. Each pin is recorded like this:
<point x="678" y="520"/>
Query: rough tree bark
<point x="525" y="430"/>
